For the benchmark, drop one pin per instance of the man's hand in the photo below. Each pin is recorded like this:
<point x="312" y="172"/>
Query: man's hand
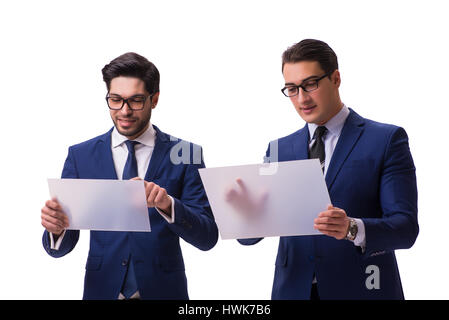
<point x="333" y="222"/>
<point x="52" y="217"/>
<point x="156" y="197"/>
<point x="244" y="201"/>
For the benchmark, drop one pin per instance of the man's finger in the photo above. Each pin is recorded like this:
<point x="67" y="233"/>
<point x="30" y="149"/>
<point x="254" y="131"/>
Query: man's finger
<point x="161" y="196"/>
<point x="334" y="213"/>
<point x="327" y="227"/>
<point x="231" y="194"/>
<point x="52" y="228"/>
<point x="152" y="194"/>
<point x="51" y="212"/>
<point x="53" y="221"/>
<point x="149" y="185"/>
<point x="59" y="220"/>
<point x="329" y="220"/>
<point x="148" y="188"/>
<point x="53" y="204"/>
<point x="241" y="185"/>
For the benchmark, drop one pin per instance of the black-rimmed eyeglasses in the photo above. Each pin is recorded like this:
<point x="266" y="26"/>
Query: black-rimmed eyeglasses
<point x="135" y="103"/>
<point x="307" y="86"/>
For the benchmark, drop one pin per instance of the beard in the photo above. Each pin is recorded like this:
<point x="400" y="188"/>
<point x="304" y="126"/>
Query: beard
<point x="138" y="127"/>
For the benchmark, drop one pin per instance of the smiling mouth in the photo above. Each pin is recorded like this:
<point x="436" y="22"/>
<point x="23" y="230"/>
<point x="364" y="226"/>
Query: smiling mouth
<point x="307" y="108"/>
<point x="126" y="122"/>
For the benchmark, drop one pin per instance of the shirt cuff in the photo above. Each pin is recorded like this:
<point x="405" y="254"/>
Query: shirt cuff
<point x="360" y="239"/>
<point x="53" y="245"/>
<point x="166" y="217"/>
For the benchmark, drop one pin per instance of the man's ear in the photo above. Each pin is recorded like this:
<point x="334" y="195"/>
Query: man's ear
<point x="154" y="100"/>
<point x="336" y="79"/>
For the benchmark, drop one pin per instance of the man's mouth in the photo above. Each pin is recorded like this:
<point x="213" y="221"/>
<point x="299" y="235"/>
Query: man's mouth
<point x="307" y="109"/>
<point x="126" y="122"/>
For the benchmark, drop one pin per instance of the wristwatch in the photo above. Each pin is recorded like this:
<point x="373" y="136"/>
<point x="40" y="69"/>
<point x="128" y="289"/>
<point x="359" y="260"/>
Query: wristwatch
<point x="352" y="230"/>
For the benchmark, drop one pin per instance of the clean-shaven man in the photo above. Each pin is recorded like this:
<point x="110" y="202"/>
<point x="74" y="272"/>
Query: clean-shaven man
<point x="370" y="176"/>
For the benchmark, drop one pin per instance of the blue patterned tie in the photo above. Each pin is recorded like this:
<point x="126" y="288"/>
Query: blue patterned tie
<point x="129" y="172"/>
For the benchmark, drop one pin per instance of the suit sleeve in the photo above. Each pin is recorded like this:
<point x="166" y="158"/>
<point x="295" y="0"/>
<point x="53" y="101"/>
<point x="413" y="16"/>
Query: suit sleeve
<point x="398" y="227"/>
<point x="71" y="236"/>
<point x="194" y="220"/>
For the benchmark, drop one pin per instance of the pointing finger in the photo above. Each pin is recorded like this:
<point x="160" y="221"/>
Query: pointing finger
<point x="241" y="184"/>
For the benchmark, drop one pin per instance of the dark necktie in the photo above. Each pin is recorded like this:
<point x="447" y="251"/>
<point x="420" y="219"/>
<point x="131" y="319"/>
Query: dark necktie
<point x="129" y="172"/>
<point x="317" y="149"/>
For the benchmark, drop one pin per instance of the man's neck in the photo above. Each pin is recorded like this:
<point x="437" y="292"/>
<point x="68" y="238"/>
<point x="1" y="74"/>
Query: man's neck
<point x="139" y="133"/>
<point x="333" y="114"/>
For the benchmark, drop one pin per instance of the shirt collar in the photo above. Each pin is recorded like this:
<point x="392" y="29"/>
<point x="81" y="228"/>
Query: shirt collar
<point x="148" y="137"/>
<point x="334" y="125"/>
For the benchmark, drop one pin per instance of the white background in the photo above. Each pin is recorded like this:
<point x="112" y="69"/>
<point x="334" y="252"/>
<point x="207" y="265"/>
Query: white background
<point x="220" y="65"/>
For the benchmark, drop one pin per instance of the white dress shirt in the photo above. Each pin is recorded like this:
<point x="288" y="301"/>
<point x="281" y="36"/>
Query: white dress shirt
<point x="330" y="139"/>
<point x="144" y="151"/>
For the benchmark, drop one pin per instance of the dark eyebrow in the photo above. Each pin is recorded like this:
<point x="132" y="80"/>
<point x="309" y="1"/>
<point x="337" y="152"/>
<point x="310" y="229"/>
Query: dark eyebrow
<point x="134" y="96"/>
<point x="304" y="80"/>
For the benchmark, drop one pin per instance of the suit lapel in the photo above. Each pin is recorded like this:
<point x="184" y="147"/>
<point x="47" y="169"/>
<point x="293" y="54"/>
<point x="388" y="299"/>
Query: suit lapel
<point x="104" y="157"/>
<point x="301" y="144"/>
<point x="349" y="136"/>
<point x="161" y="147"/>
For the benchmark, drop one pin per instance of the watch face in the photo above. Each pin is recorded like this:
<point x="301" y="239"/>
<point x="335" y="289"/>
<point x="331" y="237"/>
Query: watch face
<point x="353" y="228"/>
<point x="352" y="232"/>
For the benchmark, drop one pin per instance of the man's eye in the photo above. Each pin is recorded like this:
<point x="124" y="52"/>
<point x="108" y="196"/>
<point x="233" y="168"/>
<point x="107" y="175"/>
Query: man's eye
<point x="291" y="89"/>
<point x="113" y="99"/>
<point x="310" y="85"/>
<point x="137" y="99"/>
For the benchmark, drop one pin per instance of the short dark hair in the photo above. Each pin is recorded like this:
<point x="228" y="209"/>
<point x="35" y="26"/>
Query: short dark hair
<point x="133" y="65"/>
<point x="311" y="50"/>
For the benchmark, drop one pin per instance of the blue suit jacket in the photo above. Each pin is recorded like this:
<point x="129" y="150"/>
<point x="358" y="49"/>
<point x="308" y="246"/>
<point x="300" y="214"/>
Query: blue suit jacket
<point x="158" y="261"/>
<point x="372" y="177"/>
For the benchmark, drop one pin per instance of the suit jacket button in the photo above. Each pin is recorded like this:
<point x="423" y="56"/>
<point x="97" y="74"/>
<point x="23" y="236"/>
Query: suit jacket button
<point x="124" y="262"/>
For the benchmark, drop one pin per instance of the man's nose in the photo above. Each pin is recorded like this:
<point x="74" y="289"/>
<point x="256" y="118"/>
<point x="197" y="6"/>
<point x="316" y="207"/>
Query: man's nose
<point x="126" y="109"/>
<point x="302" y="96"/>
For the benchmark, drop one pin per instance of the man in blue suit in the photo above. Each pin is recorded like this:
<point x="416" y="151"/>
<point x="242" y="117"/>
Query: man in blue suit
<point x="145" y="265"/>
<point x="370" y="177"/>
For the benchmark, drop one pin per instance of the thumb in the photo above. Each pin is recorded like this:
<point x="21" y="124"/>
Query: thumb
<point x="330" y="207"/>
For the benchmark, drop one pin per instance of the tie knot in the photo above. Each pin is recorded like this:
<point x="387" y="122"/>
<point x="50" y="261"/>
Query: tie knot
<point x="319" y="132"/>
<point x="130" y="145"/>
